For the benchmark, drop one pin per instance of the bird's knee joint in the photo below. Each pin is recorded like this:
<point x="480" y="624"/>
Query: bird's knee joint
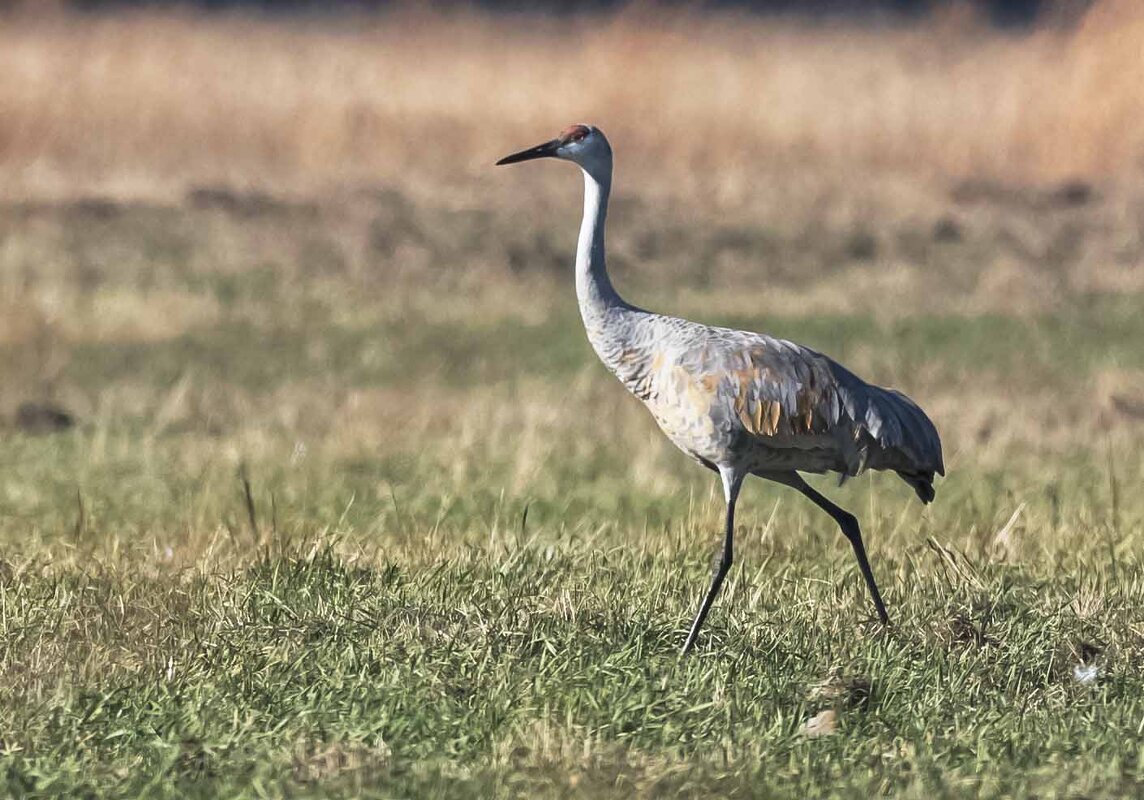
<point x="849" y="525"/>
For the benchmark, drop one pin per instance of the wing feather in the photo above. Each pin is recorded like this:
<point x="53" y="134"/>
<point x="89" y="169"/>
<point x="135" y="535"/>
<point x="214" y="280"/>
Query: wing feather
<point x="784" y="393"/>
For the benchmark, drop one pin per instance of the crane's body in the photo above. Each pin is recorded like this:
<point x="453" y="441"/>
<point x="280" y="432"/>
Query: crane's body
<point x="738" y="402"/>
<point x="766" y="405"/>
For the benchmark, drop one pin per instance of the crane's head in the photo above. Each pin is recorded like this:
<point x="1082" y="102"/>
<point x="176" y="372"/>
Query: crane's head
<point x="582" y="144"/>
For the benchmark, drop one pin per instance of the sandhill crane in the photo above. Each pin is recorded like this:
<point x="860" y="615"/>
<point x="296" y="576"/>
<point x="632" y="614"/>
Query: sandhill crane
<point x="739" y="403"/>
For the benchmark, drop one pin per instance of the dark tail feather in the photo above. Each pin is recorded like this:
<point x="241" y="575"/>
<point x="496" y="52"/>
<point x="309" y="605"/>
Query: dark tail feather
<point x="922" y="483"/>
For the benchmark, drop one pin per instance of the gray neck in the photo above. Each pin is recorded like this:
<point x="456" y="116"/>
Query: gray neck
<point x="609" y="322"/>
<point x="593" y="288"/>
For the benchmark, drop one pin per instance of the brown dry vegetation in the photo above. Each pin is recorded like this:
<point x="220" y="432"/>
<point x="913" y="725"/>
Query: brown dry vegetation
<point x="714" y="105"/>
<point x="881" y="170"/>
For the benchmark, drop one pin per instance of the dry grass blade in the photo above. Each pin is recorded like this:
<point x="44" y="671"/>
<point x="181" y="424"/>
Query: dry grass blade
<point x="958" y="568"/>
<point x="248" y="500"/>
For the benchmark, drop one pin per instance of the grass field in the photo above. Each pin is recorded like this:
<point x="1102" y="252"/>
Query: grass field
<point x="466" y="559"/>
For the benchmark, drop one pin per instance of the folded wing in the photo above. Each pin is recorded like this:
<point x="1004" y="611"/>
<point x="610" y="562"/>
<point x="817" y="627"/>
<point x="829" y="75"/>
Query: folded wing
<point x="786" y="395"/>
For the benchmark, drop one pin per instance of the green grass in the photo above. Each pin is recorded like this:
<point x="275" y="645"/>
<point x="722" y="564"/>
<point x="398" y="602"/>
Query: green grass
<point x="472" y="558"/>
<point x="550" y="665"/>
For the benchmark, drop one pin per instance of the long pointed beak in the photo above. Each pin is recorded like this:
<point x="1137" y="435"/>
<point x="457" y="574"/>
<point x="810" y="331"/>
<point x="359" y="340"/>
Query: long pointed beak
<point x="546" y="150"/>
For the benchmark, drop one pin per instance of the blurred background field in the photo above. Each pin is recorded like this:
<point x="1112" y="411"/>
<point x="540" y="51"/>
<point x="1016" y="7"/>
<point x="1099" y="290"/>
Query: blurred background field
<point x="273" y="246"/>
<point x="703" y="105"/>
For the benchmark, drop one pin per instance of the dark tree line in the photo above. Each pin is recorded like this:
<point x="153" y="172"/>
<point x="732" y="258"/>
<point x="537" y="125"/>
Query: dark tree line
<point x="1002" y="12"/>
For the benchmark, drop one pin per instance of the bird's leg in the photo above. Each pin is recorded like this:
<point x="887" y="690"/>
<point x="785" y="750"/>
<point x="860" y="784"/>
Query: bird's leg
<point x="846" y="521"/>
<point x="732" y="480"/>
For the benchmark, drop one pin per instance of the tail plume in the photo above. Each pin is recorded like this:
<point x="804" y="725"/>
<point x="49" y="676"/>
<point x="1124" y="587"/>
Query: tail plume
<point x="922" y="483"/>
